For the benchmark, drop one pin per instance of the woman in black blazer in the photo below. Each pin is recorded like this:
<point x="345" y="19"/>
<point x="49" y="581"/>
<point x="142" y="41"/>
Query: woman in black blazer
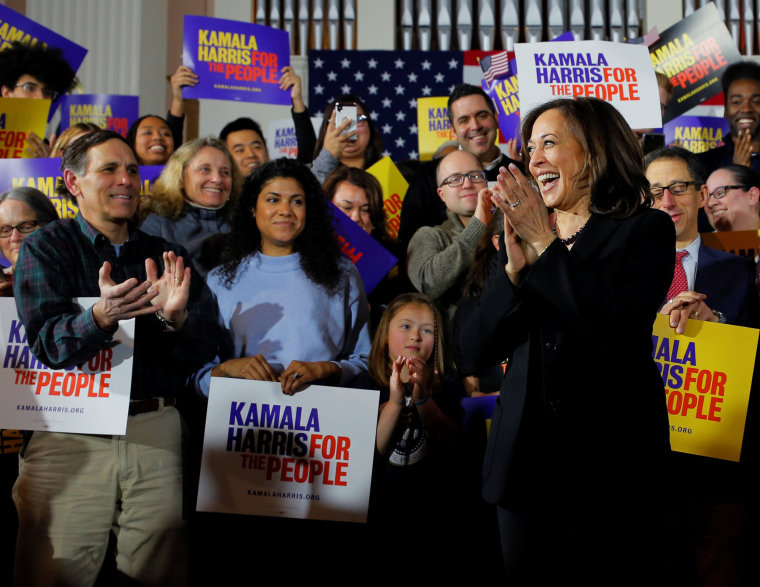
<point x="579" y="435"/>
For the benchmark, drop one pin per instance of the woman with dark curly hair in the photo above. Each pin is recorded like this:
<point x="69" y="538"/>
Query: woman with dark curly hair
<point x="294" y="308"/>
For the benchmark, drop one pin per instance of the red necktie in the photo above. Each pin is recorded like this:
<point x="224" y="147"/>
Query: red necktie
<point x="679" y="277"/>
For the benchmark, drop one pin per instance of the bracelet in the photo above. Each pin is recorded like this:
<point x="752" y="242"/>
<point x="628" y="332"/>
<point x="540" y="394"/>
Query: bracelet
<point x="173" y="324"/>
<point x="427" y="397"/>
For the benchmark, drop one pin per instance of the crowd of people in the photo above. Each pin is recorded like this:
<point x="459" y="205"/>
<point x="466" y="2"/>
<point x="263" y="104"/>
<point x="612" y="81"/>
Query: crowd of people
<point x="540" y="287"/>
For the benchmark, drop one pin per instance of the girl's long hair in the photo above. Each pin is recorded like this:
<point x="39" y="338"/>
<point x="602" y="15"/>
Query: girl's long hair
<point x="379" y="362"/>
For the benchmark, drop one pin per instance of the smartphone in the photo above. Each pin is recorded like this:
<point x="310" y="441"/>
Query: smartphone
<point x="343" y="111"/>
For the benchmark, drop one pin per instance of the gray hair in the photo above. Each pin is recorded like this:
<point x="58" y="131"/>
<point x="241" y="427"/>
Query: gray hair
<point x="43" y="208"/>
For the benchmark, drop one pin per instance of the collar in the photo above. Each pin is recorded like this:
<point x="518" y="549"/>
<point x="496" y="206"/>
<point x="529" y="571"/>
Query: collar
<point x="454" y="218"/>
<point x="489" y="166"/>
<point x="693" y="248"/>
<point x="95" y="237"/>
<point x="495" y="163"/>
<point x="199" y="207"/>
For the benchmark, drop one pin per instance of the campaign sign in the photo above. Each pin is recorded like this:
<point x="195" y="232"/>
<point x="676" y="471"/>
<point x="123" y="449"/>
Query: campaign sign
<point x="108" y="111"/>
<point x="235" y="60"/>
<point x="92" y="398"/>
<point x="18" y="118"/>
<point x="281" y="139"/>
<point x="505" y="95"/>
<point x="707" y="372"/>
<point x="303" y="456"/>
<point x="618" y="73"/>
<point x="371" y="259"/>
<point x="433" y="125"/>
<point x="696" y="133"/>
<point x="43" y="174"/>
<point x="694" y="53"/>
<point x="17" y="27"/>
<point x="394" y="190"/>
<point x="744" y="243"/>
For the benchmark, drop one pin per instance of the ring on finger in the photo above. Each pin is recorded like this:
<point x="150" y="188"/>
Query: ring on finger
<point x="515" y="205"/>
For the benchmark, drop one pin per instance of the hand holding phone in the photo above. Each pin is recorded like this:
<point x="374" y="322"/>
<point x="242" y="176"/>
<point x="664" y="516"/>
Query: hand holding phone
<point x="345" y="111"/>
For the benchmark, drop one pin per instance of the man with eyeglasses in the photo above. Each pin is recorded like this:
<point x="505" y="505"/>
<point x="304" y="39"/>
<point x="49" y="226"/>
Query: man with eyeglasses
<point x="472" y="117"/>
<point x="714" y="286"/>
<point x="439" y="256"/>
<point x="35" y="72"/>
<point x="724" y="281"/>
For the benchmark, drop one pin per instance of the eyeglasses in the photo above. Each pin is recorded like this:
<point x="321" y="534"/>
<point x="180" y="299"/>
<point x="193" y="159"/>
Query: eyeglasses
<point x="721" y="191"/>
<point x="23" y="228"/>
<point x="361" y="120"/>
<point x="676" y="188"/>
<point x="31" y="88"/>
<point x="457" y="179"/>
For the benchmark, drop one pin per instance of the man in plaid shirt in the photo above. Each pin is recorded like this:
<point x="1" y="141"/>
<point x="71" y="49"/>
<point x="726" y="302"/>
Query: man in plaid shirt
<point x="73" y="488"/>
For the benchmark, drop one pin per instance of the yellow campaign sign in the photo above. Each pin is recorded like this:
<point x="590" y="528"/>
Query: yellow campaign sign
<point x="433" y="128"/>
<point x="18" y="118"/>
<point x="707" y="373"/>
<point x="739" y="242"/>
<point x="394" y="189"/>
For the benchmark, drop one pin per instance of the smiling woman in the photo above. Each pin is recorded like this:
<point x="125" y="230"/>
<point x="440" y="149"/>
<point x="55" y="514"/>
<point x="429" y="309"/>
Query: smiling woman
<point x="22" y="211"/>
<point x="569" y="280"/>
<point x="192" y="200"/>
<point x="152" y="140"/>
<point x="295" y="310"/>
<point x="734" y="198"/>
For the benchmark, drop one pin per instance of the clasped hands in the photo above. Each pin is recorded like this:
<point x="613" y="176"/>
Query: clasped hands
<point x="527" y="222"/>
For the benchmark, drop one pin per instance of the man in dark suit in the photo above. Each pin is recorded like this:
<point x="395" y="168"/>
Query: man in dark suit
<point x="720" y="286"/>
<point x="717" y="287"/>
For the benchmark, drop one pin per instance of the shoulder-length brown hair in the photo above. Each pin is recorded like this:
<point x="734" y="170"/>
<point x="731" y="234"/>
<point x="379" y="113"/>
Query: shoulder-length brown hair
<point x="168" y="195"/>
<point x="366" y="181"/>
<point x="614" y="163"/>
<point x="379" y="362"/>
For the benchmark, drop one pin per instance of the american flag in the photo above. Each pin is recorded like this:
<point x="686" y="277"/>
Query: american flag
<point x="390" y="83"/>
<point x="495" y="66"/>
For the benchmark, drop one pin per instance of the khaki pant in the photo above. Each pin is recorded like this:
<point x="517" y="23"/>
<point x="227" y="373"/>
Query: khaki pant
<point x="73" y="489"/>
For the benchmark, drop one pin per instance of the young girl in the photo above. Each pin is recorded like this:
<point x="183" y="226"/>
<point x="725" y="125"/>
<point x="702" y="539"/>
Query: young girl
<point x="414" y="492"/>
<point x="406" y="362"/>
